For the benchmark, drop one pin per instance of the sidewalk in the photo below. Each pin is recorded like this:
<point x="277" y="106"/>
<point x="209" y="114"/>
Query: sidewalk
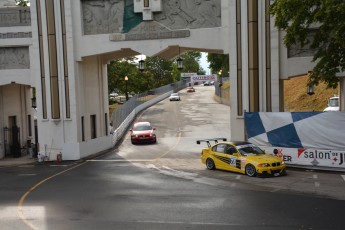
<point x="16" y="161"/>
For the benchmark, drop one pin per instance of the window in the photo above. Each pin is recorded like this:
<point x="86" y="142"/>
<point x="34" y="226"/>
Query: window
<point x="29" y="126"/>
<point x="93" y="126"/>
<point x="230" y="149"/>
<point x="224" y="148"/>
<point x="219" y="148"/>
<point x="106" y="124"/>
<point x="82" y="129"/>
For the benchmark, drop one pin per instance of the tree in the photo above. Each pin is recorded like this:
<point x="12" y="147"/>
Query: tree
<point x="298" y="17"/>
<point x="158" y="72"/>
<point x="191" y="62"/>
<point x="23" y="3"/>
<point x="218" y="62"/>
<point x="117" y="70"/>
<point x="161" y="70"/>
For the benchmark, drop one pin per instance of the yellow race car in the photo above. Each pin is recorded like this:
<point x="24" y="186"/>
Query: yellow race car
<point x="241" y="157"/>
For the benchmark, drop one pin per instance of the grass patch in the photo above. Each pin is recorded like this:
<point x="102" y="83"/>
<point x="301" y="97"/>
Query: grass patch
<point x="296" y="98"/>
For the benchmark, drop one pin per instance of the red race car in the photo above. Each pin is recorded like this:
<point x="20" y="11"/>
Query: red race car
<point x="190" y="89"/>
<point x="143" y="132"/>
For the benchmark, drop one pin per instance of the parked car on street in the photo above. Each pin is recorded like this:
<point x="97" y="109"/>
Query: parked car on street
<point x="143" y="132"/>
<point x="241" y="157"/>
<point x="174" y="97"/>
<point x="332" y="104"/>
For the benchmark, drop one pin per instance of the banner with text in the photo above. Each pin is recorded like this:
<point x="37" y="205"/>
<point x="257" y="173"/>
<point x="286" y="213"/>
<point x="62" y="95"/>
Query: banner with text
<point x="302" y="138"/>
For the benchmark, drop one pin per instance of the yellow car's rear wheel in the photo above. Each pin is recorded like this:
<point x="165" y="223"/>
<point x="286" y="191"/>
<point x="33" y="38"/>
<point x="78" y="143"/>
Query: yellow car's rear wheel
<point x="250" y="170"/>
<point x="210" y="164"/>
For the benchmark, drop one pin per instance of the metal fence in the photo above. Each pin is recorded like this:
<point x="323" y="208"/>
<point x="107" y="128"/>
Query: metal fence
<point x="223" y="94"/>
<point x="139" y="102"/>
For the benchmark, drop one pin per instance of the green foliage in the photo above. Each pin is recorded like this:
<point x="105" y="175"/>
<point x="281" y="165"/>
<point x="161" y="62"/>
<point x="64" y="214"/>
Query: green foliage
<point x="23" y="3"/>
<point x="158" y="72"/>
<point x="219" y="62"/>
<point x="191" y="62"/>
<point x="297" y="17"/>
<point x="117" y="70"/>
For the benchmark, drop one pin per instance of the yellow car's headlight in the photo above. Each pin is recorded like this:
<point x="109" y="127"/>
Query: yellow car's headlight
<point x="264" y="165"/>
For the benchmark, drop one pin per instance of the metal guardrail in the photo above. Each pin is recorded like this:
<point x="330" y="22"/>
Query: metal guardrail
<point x="122" y="117"/>
<point x="218" y="89"/>
<point x="223" y="94"/>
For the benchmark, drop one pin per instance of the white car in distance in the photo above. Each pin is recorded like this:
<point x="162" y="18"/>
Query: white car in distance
<point x="333" y="104"/>
<point x="174" y="97"/>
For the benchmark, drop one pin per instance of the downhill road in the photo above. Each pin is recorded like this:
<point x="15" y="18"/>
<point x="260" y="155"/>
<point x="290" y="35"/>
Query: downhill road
<point x="165" y="186"/>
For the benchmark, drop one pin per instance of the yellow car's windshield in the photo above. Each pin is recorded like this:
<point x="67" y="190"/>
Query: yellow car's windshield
<point x="250" y="150"/>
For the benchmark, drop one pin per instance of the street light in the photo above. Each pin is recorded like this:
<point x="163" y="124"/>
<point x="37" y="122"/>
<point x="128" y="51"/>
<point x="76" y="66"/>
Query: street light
<point x="220" y="78"/>
<point x="310" y="89"/>
<point x="33" y="102"/>
<point x="179" y="61"/>
<point x="141" y="65"/>
<point x="33" y="99"/>
<point x="126" y="87"/>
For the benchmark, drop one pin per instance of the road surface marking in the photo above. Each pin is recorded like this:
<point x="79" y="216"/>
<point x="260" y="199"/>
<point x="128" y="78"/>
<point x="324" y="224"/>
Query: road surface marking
<point x="177" y="142"/>
<point x="22" y="199"/>
<point x="238" y="177"/>
<point x="181" y="174"/>
<point x="315" y="176"/>
<point x="186" y="223"/>
<point x="275" y="190"/>
<point x="317" y="184"/>
<point x="26" y="166"/>
<point x="343" y="176"/>
<point x="135" y="160"/>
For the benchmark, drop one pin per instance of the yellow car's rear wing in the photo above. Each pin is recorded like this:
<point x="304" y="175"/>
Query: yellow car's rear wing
<point x="209" y="140"/>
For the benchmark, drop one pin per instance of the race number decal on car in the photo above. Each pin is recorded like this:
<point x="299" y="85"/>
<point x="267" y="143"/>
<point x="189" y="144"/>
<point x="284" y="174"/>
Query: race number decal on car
<point x="233" y="161"/>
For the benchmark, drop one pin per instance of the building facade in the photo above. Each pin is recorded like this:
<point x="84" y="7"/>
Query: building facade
<point x="57" y="52"/>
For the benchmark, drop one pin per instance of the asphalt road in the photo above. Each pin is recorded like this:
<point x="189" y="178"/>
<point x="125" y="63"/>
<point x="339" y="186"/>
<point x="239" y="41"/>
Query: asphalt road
<point x="165" y="186"/>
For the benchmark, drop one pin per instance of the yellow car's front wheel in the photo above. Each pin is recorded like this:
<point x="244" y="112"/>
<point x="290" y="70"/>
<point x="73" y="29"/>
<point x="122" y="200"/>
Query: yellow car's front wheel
<point x="210" y="164"/>
<point x="250" y="170"/>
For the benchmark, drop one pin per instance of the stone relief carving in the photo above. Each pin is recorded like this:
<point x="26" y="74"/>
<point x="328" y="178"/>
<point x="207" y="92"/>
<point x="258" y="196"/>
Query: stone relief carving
<point x="7" y="3"/>
<point x="149" y="30"/>
<point x="297" y="50"/>
<point x="15" y="35"/>
<point x="102" y="17"/>
<point x="175" y="12"/>
<point x="106" y="16"/>
<point x="14" y="16"/>
<point x="192" y="14"/>
<point x="14" y="58"/>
